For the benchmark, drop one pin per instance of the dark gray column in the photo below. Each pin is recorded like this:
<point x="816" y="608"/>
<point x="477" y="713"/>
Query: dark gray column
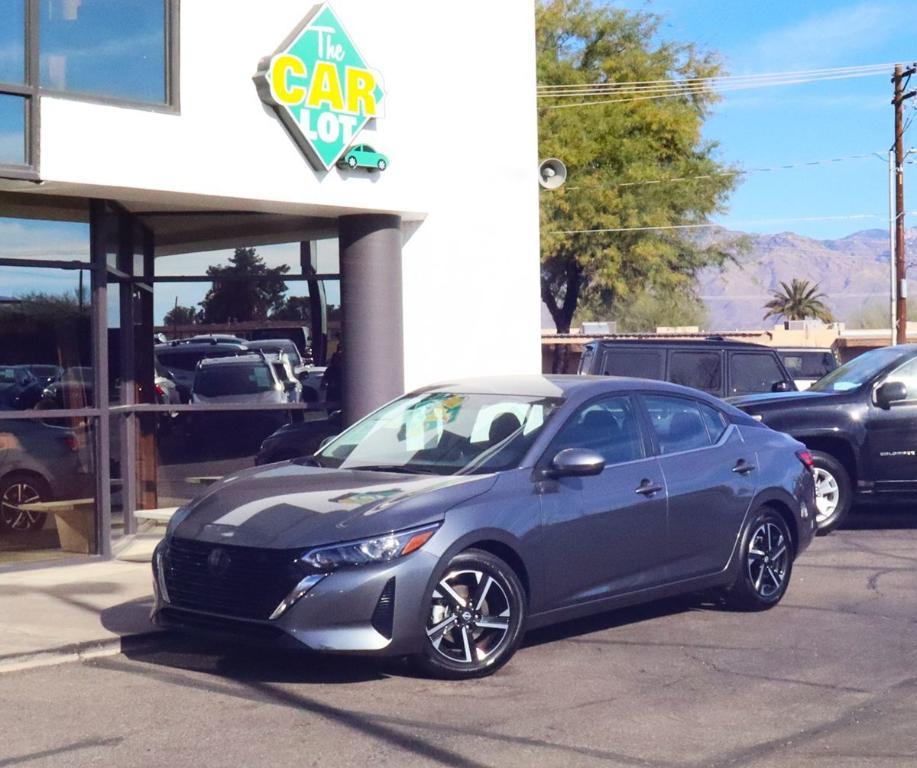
<point x="373" y="333"/>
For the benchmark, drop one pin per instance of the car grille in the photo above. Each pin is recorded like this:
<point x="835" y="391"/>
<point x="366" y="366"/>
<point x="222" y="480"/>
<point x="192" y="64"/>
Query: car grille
<point x="243" y="582"/>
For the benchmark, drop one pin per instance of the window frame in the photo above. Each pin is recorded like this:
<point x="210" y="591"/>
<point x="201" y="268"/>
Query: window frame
<point x="31" y="90"/>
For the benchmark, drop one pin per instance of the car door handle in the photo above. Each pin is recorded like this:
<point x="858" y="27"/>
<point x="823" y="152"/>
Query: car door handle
<point x="742" y="467"/>
<point x="648" y="488"/>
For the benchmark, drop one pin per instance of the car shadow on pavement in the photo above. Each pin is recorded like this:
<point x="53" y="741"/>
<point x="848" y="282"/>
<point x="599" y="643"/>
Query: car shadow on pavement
<point x="621" y="617"/>
<point x="255" y="664"/>
<point x="876" y="518"/>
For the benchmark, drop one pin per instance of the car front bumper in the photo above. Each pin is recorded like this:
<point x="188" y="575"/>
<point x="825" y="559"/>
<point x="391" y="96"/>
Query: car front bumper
<point x="375" y="609"/>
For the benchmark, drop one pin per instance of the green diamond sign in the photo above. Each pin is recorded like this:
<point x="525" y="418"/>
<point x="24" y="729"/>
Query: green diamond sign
<point x="321" y="87"/>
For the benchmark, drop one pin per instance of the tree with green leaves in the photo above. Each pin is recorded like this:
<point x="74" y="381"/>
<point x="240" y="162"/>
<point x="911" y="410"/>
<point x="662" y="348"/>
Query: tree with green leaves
<point x="180" y="315"/>
<point x="639" y="165"/>
<point x="797" y="301"/>
<point x="232" y="298"/>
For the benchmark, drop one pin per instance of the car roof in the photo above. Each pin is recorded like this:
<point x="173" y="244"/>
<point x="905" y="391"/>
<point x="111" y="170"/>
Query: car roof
<point x="823" y="350"/>
<point x="716" y="343"/>
<point x="190" y="346"/>
<point x="209" y="362"/>
<point x="557" y="385"/>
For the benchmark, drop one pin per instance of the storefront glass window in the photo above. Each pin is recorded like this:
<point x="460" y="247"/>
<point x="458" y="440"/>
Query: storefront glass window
<point x="12" y="130"/>
<point x="110" y="48"/>
<point x="43" y="240"/>
<point x="47" y="467"/>
<point x="12" y="41"/>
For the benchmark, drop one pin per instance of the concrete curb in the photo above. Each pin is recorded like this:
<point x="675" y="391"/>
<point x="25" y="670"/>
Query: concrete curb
<point x="74" y="652"/>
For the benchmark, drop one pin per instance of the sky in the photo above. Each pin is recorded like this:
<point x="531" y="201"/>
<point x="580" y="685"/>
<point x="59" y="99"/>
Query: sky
<point x="768" y="127"/>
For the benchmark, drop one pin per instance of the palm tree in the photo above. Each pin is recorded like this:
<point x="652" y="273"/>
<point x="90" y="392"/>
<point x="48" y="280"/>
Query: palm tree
<point x="797" y="301"/>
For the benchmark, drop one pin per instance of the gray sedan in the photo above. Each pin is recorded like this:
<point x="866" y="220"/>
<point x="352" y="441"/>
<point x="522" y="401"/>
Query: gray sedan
<point x="453" y="519"/>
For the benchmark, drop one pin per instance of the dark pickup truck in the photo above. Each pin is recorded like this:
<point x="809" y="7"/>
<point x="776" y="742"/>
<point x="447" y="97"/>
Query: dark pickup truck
<point x="860" y="424"/>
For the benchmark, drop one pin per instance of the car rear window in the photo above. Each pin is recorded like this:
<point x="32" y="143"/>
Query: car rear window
<point x="187" y="359"/>
<point x="243" y="379"/>
<point x="641" y="364"/>
<point x="809" y="365"/>
<point x="701" y="370"/>
<point x="753" y="372"/>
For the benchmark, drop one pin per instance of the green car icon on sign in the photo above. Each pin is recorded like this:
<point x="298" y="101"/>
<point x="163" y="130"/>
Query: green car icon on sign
<point x="363" y="156"/>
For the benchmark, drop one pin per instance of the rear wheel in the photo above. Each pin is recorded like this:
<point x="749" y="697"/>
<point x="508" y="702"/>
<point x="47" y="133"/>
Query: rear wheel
<point x="766" y="563"/>
<point x="16" y="490"/>
<point x="833" y="492"/>
<point x="475" y="618"/>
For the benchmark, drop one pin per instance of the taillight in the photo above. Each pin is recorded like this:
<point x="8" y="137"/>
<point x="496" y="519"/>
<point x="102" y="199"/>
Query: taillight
<point x="806" y="458"/>
<point x="159" y="390"/>
<point x="72" y="443"/>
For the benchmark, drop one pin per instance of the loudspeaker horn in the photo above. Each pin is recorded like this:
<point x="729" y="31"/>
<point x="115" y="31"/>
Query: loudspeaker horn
<point x="552" y="173"/>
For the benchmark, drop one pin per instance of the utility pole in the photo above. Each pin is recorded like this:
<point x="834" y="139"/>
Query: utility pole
<point x="900" y="80"/>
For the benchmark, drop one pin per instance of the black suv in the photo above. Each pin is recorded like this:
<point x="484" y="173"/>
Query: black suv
<point x="860" y="424"/>
<point x="722" y="368"/>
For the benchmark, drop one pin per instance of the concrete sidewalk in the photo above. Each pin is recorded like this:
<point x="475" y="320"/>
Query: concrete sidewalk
<point x="65" y="613"/>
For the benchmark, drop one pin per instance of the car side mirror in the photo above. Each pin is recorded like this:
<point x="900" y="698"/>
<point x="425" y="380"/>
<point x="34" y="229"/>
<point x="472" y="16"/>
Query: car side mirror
<point x="781" y="386"/>
<point x="576" y="462"/>
<point x="891" y="392"/>
<point x="324" y="443"/>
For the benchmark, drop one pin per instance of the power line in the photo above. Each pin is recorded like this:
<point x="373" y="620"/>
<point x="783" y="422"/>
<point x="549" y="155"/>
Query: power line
<point x="712" y="225"/>
<point x="695" y="88"/>
<point x="744" y="172"/>
<point x="723" y="80"/>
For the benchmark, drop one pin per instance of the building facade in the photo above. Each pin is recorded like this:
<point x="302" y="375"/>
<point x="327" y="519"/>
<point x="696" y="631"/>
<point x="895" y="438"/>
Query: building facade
<point x="363" y="172"/>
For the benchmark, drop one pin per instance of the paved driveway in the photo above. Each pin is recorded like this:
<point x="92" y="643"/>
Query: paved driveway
<point x="827" y="679"/>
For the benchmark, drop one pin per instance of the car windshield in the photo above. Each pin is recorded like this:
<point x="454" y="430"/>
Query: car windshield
<point x="443" y="433"/>
<point x="860" y="370"/>
<point x="222" y="380"/>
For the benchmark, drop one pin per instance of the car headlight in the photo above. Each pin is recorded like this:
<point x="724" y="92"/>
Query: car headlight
<point x="379" y="549"/>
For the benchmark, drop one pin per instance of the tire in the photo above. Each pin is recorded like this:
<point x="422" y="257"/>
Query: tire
<point x="833" y="492"/>
<point x="382" y="165"/>
<point x="766" y="563"/>
<point x="351" y="162"/>
<point x="457" y="647"/>
<point x="22" y="488"/>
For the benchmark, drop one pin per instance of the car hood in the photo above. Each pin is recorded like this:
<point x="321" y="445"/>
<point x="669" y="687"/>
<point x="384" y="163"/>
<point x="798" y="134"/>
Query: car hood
<point x="268" y="396"/>
<point x="287" y="505"/>
<point x="746" y="402"/>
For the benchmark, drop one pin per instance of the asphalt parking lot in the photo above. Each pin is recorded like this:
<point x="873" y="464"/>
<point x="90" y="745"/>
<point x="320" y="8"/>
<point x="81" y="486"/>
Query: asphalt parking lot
<point x="829" y="678"/>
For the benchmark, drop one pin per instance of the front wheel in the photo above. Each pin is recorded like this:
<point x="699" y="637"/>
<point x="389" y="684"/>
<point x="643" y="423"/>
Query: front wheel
<point x="766" y="563"/>
<point x="17" y="490"/>
<point x="833" y="492"/>
<point x="382" y="165"/>
<point x="475" y="618"/>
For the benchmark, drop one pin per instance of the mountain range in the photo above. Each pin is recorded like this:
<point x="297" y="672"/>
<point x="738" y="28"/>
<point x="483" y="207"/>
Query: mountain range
<point x="852" y="272"/>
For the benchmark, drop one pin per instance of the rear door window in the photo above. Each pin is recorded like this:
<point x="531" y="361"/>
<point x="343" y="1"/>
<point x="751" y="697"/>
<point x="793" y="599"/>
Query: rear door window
<point x="639" y="363"/>
<point x="753" y="372"/>
<point x="701" y="370"/>
<point x="678" y="423"/>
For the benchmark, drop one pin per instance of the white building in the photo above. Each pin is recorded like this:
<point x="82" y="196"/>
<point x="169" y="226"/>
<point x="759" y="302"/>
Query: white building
<point x="140" y="146"/>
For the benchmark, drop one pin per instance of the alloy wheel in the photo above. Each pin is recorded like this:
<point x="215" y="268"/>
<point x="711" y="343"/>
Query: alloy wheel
<point x="14" y="496"/>
<point x="768" y="560"/>
<point x="469" y="617"/>
<point x="827" y="494"/>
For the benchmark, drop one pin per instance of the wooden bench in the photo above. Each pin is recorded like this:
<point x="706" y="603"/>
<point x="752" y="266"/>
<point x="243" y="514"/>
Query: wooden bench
<point x="203" y="479"/>
<point x="76" y="522"/>
<point x="161" y="515"/>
